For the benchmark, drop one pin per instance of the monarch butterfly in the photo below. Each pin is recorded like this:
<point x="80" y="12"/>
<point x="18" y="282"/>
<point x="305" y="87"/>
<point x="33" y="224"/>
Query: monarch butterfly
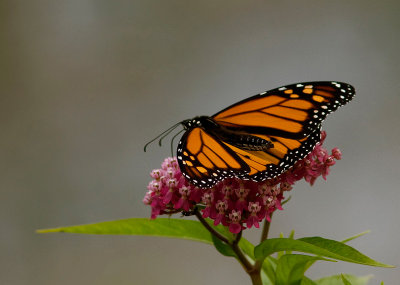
<point x="259" y="137"/>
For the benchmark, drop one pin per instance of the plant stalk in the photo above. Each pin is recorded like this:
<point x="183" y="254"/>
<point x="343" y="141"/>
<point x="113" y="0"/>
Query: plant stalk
<point x="265" y="231"/>
<point x="264" y="236"/>
<point x="254" y="271"/>
<point x="210" y="228"/>
<point x="256" y="278"/>
<point x="248" y="267"/>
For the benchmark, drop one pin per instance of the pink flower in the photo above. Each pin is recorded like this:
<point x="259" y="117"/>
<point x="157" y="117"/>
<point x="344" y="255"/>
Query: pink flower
<point x="285" y="186"/>
<point x="235" y="226"/>
<point x="323" y="137"/>
<point x="254" y="208"/>
<point x="195" y="194"/>
<point x="221" y="207"/>
<point x="241" y="193"/>
<point x="336" y="153"/>
<point x="156" y="174"/>
<point x="234" y="202"/>
<point x="147" y="198"/>
<point x="183" y="202"/>
<point x="208" y="199"/>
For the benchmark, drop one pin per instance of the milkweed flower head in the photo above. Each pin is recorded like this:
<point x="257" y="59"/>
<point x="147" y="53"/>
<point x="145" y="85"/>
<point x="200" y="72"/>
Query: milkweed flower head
<point x="235" y="203"/>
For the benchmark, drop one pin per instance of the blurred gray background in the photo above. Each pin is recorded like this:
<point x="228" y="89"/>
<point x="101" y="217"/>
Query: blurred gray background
<point x="85" y="84"/>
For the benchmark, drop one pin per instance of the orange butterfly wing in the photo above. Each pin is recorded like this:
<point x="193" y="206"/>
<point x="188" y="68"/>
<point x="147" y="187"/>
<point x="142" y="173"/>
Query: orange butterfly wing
<point x="290" y="117"/>
<point x="293" y="111"/>
<point x="205" y="160"/>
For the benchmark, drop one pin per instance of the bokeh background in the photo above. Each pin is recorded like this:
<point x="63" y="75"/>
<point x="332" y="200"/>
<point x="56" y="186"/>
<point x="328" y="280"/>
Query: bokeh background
<point x="85" y="84"/>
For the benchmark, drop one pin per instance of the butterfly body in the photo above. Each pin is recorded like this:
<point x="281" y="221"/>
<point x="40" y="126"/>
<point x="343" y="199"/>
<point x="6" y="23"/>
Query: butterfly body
<point x="260" y="137"/>
<point x="238" y="138"/>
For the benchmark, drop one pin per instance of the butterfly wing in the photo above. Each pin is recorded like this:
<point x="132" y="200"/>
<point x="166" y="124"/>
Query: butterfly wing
<point x="292" y="111"/>
<point x="204" y="159"/>
<point x="290" y="117"/>
<point x="272" y="162"/>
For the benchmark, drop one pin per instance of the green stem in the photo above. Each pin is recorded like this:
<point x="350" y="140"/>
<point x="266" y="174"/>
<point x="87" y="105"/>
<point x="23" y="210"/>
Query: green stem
<point x="265" y="231"/>
<point x="248" y="267"/>
<point x="254" y="271"/>
<point x="256" y="278"/>
<point x="239" y="253"/>
<point x="264" y="236"/>
<point x="209" y="227"/>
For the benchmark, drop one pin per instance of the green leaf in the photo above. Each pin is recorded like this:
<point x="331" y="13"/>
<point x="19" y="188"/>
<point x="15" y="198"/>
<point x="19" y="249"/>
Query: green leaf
<point x="338" y="280"/>
<point x="268" y="268"/>
<point x="265" y="279"/>
<point x="355" y="236"/>
<point x="307" y="281"/>
<point x="291" y="268"/>
<point x="280" y="253"/>
<point x="287" y="200"/>
<point x="315" y="245"/>
<point x="221" y="229"/>
<point x="345" y="280"/>
<point x="343" y="251"/>
<point x="222" y="247"/>
<point x="291" y="236"/>
<point x="247" y="247"/>
<point x="173" y="228"/>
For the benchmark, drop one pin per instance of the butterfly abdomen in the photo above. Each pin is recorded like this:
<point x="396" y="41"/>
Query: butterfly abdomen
<point x="247" y="142"/>
<point x="236" y="138"/>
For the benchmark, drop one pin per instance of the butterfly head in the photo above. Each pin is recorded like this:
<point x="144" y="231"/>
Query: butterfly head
<point x="199" y="121"/>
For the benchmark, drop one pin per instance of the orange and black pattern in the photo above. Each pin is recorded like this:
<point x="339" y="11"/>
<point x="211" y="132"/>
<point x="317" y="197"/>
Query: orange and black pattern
<point x="259" y="137"/>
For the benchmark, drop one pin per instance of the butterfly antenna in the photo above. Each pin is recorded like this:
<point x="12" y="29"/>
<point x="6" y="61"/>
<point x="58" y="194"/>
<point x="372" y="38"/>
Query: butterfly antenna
<point x="162" y="135"/>
<point x="166" y="134"/>
<point x="172" y="142"/>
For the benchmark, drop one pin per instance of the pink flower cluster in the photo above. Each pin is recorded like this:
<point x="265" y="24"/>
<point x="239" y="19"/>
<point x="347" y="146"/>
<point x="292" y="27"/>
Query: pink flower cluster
<point x="316" y="163"/>
<point x="235" y="203"/>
